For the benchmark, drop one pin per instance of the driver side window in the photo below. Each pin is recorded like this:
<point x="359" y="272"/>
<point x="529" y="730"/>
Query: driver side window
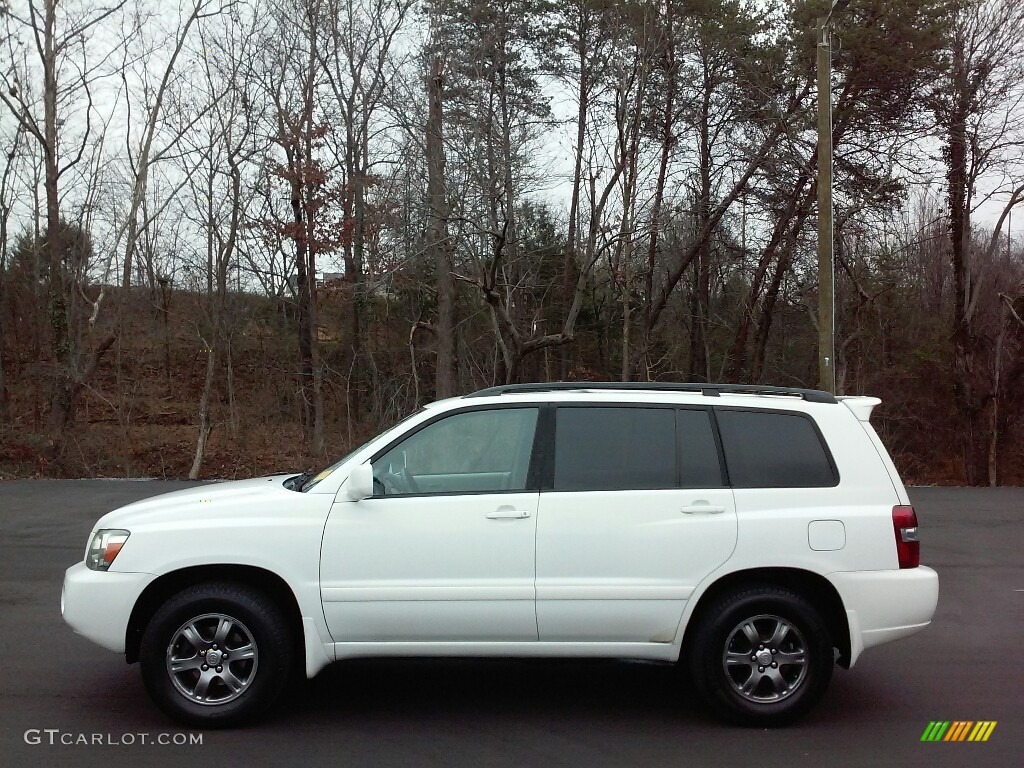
<point x="485" y="451"/>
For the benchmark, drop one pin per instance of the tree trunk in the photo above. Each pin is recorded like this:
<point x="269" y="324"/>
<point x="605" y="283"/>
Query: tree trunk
<point x="511" y="198"/>
<point x="626" y="237"/>
<point x="699" y="363"/>
<point x="165" y="312"/>
<point x="5" y="213"/>
<point x="358" y="249"/>
<point x="444" y="336"/>
<point x="993" y="439"/>
<point x="964" y="344"/>
<point x="317" y="443"/>
<point x="738" y="364"/>
<point x="204" y="412"/>
<point x="765" y="322"/>
<point x="61" y="405"/>
<point x="302" y="310"/>
<point x="230" y="381"/>
<point x="582" y="51"/>
<point x="667" y="142"/>
<point x="4" y="412"/>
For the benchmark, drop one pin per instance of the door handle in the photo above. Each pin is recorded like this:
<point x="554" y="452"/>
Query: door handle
<point x="507" y="513"/>
<point x="702" y="509"/>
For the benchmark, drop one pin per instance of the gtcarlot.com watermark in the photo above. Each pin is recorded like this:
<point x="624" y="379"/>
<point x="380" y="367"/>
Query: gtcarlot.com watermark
<point x="54" y="737"/>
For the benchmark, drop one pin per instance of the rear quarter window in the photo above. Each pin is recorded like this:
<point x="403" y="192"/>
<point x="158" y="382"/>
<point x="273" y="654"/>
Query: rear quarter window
<point x="771" y="449"/>
<point x="698" y="453"/>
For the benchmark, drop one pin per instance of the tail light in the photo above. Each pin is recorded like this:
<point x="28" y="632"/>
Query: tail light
<point x="908" y="546"/>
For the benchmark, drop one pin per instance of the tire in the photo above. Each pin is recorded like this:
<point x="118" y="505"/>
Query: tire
<point x="241" y="633"/>
<point x="761" y="655"/>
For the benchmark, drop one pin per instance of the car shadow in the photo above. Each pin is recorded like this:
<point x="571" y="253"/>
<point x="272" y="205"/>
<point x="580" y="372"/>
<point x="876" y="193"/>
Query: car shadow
<point x="485" y="688"/>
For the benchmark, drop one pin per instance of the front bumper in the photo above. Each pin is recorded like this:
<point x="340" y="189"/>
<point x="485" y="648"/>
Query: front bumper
<point x="882" y="606"/>
<point x="98" y="604"/>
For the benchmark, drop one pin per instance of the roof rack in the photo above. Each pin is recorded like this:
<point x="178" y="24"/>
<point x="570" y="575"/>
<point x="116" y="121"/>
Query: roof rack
<point x="708" y="390"/>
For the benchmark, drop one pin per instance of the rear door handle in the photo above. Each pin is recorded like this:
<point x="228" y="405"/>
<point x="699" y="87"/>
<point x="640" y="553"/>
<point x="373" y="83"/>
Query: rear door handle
<point x="706" y="509"/>
<point x="507" y="513"/>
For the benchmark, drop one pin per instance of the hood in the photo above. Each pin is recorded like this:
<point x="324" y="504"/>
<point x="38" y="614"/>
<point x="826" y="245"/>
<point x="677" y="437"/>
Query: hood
<point x="222" y="497"/>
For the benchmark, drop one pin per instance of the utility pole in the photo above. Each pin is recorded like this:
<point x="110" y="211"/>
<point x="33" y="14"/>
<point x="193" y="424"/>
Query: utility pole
<point x="826" y="266"/>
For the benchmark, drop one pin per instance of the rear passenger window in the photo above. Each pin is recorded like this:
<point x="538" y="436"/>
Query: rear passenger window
<point x="773" y="450"/>
<point x="611" y="449"/>
<point x="698" y="453"/>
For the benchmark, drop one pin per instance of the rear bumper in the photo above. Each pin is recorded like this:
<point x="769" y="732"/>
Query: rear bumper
<point x="882" y="606"/>
<point x="98" y="604"/>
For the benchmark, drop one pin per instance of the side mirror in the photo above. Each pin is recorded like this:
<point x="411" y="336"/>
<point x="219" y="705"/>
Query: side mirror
<point x="359" y="485"/>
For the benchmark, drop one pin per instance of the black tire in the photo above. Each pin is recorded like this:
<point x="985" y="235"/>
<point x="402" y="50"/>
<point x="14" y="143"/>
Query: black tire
<point x="761" y="655"/>
<point x="249" y="666"/>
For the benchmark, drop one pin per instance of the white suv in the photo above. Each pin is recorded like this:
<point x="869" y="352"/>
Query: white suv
<point x="754" y="534"/>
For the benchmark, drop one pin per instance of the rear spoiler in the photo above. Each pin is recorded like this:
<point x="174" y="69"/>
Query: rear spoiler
<point x="861" y="406"/>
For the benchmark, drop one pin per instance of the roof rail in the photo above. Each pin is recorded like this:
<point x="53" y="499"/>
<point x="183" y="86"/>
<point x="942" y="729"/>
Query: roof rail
<point x="708" y="390"/>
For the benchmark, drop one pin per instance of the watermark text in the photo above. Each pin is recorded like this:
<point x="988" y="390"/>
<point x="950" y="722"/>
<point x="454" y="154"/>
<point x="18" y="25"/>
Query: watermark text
<point x="56" y="737"/>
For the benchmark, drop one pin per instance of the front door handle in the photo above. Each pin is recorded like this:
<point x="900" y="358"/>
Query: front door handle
<point x="508" y="513"/>
<point x="706" y="509"/>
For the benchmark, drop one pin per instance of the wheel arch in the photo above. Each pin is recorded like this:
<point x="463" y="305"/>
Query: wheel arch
<point x="814" y="587"/>
<point x="163" y="587"/>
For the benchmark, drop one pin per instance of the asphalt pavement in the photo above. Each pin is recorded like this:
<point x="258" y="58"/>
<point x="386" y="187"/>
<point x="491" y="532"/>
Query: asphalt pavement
<point x="64" y="701"/>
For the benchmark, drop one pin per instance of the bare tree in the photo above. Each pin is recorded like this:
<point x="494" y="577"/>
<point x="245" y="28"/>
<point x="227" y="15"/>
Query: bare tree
<point x="978" y="108"/>
<point x="68" y="74"/>
<point x="220" y="202"/>
<point x="11" y="157"/>
<point x="357" y="60"/>
<point x="292" y="77"/>
<point x="439" y="240"/>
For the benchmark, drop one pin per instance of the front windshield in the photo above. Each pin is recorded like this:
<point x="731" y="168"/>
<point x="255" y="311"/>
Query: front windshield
<point x="314" y="479"/>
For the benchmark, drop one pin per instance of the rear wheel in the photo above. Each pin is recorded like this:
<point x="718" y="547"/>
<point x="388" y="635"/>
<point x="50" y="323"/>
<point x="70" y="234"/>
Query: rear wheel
<point x="761" y="656"/>
<point x="216" y="655"/>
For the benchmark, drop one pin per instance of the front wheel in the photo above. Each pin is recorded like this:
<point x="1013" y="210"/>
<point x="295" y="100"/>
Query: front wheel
<point x="216" y="655"/>
<point x="761" y="656"/>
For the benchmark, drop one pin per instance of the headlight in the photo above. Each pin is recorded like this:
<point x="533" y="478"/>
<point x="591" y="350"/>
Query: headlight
<point x="104" y="547"/>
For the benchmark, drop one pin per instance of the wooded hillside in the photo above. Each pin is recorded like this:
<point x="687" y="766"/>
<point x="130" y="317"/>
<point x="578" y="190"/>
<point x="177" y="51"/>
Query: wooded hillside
<point x="239" y="237"/>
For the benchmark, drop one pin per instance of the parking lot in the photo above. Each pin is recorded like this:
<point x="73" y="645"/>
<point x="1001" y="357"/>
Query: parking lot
<point x="65" y="701"/>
